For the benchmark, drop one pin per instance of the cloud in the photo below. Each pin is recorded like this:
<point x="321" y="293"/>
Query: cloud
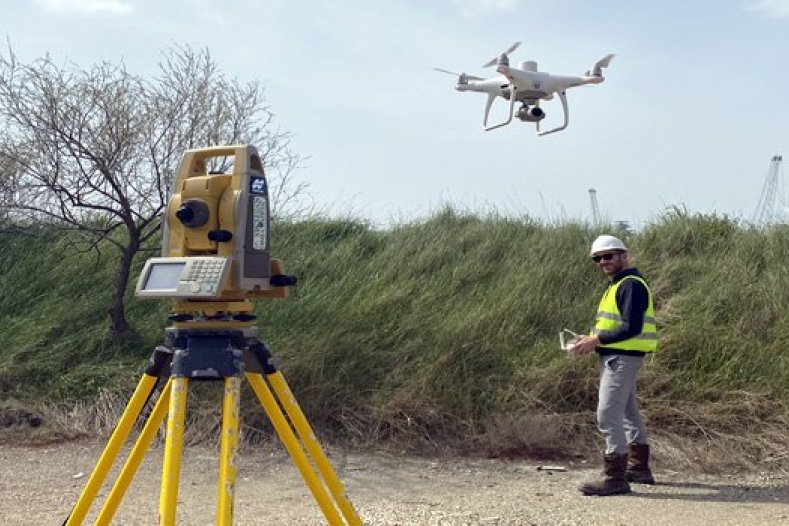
<point x="769" y="8"/>
<point x="86" y="7"/>
<point x="475" y="8"/>
<point x="211" y="11"/>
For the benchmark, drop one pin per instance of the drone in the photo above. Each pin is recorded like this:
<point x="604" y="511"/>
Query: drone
<point x="528" y="86"/>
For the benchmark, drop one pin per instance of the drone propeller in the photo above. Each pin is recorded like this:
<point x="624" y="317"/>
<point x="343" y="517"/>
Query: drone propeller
<point x="463" y="78"/>
<point x="447" y="72"/>
<point x="597" y="68"/>
<point x="503" y="58"/>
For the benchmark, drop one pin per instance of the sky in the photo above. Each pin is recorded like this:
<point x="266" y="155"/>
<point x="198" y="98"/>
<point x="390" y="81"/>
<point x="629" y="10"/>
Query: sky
<point x="694" y="105"/>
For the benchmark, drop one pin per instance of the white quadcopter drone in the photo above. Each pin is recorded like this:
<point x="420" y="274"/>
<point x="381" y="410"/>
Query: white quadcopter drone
<point x="528" y="86"/>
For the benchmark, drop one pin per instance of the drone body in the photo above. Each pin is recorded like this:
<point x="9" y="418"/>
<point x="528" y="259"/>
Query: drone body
<point x="527" y="85"/>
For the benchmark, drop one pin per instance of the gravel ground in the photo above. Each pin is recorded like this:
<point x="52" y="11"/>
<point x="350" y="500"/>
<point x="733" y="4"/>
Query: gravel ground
<point x="39" y="486"/>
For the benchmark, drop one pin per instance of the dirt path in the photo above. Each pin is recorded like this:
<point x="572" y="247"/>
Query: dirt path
<point x="38" y="486"/>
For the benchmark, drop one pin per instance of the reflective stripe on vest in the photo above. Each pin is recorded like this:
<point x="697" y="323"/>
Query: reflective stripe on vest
<point x="609" y="318"/>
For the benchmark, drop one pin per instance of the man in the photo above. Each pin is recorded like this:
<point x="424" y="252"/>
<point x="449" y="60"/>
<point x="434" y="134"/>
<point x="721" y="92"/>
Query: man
<point x="623" y="334"/>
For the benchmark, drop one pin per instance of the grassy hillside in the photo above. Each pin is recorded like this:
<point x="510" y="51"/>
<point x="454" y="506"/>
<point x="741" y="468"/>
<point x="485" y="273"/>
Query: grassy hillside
<point x="446" y="324"/>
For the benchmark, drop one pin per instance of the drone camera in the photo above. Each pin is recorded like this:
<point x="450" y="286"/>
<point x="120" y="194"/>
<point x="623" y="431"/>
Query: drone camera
<point x="216" y="232"/>
<point x="533" y="114"/>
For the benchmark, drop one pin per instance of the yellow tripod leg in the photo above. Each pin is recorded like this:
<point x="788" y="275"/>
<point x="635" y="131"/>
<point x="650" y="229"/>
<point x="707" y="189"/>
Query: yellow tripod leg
<point x="114" y="445"/>
<point x="135" y="458"/>
<point x="294" y="448"/>
<point x="296" y="416"/>
<point x="228" y="449"/>
<point x="173" y="448"/>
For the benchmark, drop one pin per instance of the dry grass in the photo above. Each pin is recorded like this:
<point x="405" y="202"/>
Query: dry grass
<point x="33" y="424"/>
<point x="740" y="432"/>
<point x="538" y="435"/>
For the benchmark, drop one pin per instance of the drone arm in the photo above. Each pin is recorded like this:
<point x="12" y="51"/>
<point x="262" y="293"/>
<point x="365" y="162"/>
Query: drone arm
<point x="563" y="98"/>
<point x="512" y="111"/>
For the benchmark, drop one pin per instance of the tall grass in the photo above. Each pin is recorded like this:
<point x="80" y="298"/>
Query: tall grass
<point x="437" y="327"/>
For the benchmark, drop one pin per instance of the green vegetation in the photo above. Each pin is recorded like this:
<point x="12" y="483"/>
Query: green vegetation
<point x="440" y="325"/>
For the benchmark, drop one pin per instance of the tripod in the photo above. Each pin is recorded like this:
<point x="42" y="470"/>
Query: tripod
<point x="221" y="350"/>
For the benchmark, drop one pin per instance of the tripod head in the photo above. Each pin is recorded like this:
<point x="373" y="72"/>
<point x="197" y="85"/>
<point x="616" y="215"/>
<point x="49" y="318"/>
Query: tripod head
<point x="216" y="233"/>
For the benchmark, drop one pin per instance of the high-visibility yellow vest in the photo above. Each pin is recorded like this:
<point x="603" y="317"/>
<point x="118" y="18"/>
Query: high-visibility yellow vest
<point x="609" y="317"/>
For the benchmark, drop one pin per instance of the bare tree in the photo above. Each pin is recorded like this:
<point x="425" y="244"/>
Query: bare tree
<point x="95" y="150"/>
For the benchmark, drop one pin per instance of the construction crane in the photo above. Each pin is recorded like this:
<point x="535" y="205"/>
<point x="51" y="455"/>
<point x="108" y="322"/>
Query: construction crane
<point x="596" y="220"/>
<point x="772" y="194"/>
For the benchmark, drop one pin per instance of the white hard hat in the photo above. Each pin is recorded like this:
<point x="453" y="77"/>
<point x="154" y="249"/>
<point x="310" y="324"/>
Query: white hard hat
<point x="606" y="242"/>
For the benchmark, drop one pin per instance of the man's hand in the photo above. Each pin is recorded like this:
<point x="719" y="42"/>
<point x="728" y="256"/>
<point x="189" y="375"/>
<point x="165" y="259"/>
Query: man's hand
<point x="585" y="344"/>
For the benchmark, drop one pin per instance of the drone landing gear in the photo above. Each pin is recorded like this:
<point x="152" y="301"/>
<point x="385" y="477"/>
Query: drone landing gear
<point x="527" y="113"/>
<point x="513" y="96"/>
<point x="563" y="98"/>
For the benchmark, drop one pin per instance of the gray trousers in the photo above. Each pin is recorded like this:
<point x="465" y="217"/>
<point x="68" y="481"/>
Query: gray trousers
<point x="618" y="417"/>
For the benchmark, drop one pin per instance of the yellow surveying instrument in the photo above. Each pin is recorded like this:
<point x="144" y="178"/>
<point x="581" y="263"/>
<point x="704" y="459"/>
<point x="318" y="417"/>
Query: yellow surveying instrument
<point x="215" y="258"/>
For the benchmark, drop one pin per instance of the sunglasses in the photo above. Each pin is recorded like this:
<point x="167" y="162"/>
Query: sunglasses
<point x="604" y="257"/>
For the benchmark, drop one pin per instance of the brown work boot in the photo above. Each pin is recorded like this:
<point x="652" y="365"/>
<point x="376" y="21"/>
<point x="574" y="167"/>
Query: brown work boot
<point x="638" y="465"/>
<point x="614" y="481"/>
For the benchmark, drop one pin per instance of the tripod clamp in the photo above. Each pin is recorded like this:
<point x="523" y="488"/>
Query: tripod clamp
<point x="210" y="354"/>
